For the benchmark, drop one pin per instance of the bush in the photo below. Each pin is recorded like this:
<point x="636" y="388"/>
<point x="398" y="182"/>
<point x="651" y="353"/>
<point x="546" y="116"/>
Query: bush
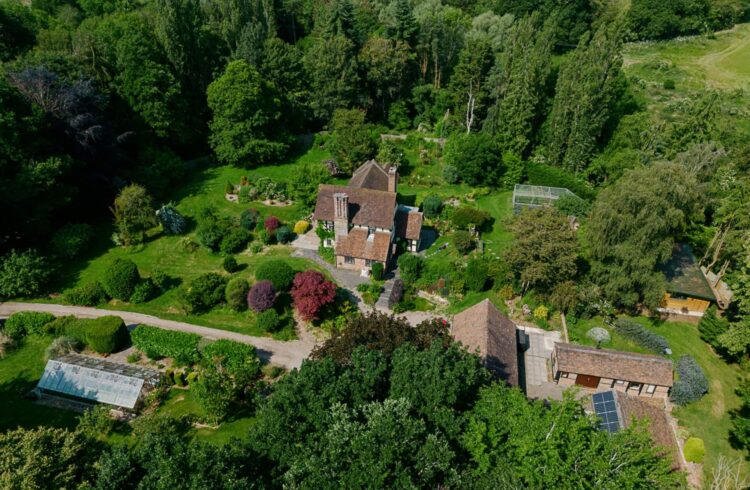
<point x="211" y="229"/>
<point x="162" y="280"/>
<point x="204" y="292"/>
<point x="172" y="222"/>
<point x="121" y="278"/>
<point x="541" y="312"/>
<point x="432" y="205"/>
<point x="465" y="216"/>
<point x="641" y="335"/>
<point x="229" y="188"/>
<point x="301" y="227"/>
<point x="71" y="239"/>
<point x="59" y="326"/>
<point x="475" y="276"/>
<point x="476" y="157"/>
<point x="463" y="241"/>
<point x="268" y="320"/>
<point x="23" y="274"/>
<point x="157" y="343"/>
<point x="261" y="296"/>
<point x="711" y="326"/>
<point x="691" y="384"/>
<point x="88" y="294"/>
<point x="397" y="293"/>
<point x="669" y="84"/>
<point x="249" y="218"/>
<point x="311" y="292"/>
<point x="240" y="360"/>
<point x="27" y="323"/>
<point x="256" y="247"/>
<point x="694" y="450"/>
<point x="271" y="224"/>
<point x="450" y="174"/>
<point x="234" y="241"/>
<point x="284" y="234"/>
<point x="145" y="291"/>
<point x="230" y="264"/>
<point x="572" y="206"/>
<point x="540" y="174"/>
<point x="265" y="237"/>
<point x="236" y="294"/>
<point x="61" y="346"/>
<point x="410" y="266"/>
<point x="377" y="271"/>
<point x="105" y="334"/>
<point x="278" y="272"/>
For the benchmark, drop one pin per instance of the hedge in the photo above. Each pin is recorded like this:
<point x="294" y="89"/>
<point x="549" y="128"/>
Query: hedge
<point x="694" y="450"/>
<point x="104" y="334"/>
<point x="692" y="383"/>
<point x="157" y="343"/>
<point x="278" y="272"/>
<point x="24" y="323"/>
<point x="641" y="335"/>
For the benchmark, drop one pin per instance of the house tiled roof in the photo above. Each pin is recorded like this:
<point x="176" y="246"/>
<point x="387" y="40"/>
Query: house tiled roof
<point x="370" y="175"/>
<point x="684" y="276"/>
<point x="612" y="364"/>
<point x="367" y="207"/>
<point x="483" y="329"/>
<point x="356" y="244"/>
<point x="408" y="224"/>
<point x="633" y="408"/>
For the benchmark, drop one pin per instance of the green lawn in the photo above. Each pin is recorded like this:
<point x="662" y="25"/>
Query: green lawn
<point x="707" y="418"/>
<point x="19" y="372"/>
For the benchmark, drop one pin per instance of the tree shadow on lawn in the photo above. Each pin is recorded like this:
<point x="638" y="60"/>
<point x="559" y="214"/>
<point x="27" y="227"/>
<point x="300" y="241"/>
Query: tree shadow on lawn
<point x="18" y="411"/>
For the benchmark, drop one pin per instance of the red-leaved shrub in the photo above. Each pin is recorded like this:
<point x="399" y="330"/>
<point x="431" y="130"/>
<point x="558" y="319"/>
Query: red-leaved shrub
<point x="271" y="223"/>
<point x="311" y="292"/>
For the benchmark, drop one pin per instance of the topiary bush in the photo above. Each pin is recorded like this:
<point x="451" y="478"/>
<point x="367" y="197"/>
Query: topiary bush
<point x="268" y="320"/>
<point x="234" y="241"/>
<point x="475" y="275"/>
<point x="376" y="271"/>
<point x="88" y="294"/>
<point x="157" y="343"/>
<point x="204" y="292"/>
<point x="71" y="239"/>
<point x="105" y="334"/>
<point x="692" y="383"/>
<point x="236" y="294"/>
<point x="641" y="335"/>
<point x="120" y="279"/>
<point x="27" y="323"/>
<point x="694" y="450"/>
<point x="432" y="205"/>
<point x="278" y="272"/>
<point x="261" y="296"/>
<point x="462" y="241"/>
<point x="284" y="234"/>
<point x="230" y="264"/>
<point x="249" y="218"/>
<point x="301" y="227"/>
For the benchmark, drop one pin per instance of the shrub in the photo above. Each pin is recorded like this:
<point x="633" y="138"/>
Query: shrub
<point x="311" y="292"/>
<point x="284" y="234"/>
<point x="59" y="326"/>
<point x="541" y="312"/>
<point x="256" y="247"/>
<point x="105" y="334"/>
<point x="211" y="229"/>
<point x="476" y="157"/>
<point x="669" y="84"/>
<point x="230" y="264"/>
<point x="133" y="358"/>
<point x="711" y="326"/>
<point x="172" y="222"/>
<point x="146" y="290"/>
<point x="397" y="293"/>
<point x="236" y="294"/>
<point x="278" y="272"/>
<point x="23" y="323"/>
<point x="157" y="343"/>
<point x="546" y="175"/>
<point x="694" y="450"/>
<point x="229" y="188"/>
<point x="410" y="266"/>
<point x="240" y="360"/>
<point x="692" y="383"/>
<point x="204" y="292"/>
<point x="641" y="335"/>
<point x="249" y="218"/>
<point x="271" y="223"/>
<point x="23" y="274"/>
<point x="265" y="237"/>
<point x="261" y="296"/>
<point x="268" y="320"/>
<point x="463" y="241"/>
<point x="432" y="205"/>
<point x="301" y="227"/>
<point x="234" y="241"/>
<point x="465" y="216"/>
<point x="572" y="206"/>
<point x="121" y="278"/>
<point x="88" y="294"/>
<point x="377" y="271"/>
<point x="61" y="346"/>
<point x="162" y="280"/>
<point x="71" y="239"/>
<point x="475" y="276"/>
<point x="450" y="174"/>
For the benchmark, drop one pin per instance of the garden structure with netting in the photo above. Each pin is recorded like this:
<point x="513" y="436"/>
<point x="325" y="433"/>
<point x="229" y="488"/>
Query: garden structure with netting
<point x="536" y="196"/>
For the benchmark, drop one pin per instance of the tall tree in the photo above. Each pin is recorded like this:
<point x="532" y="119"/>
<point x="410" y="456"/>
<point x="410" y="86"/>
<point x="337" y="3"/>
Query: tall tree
<point x="134" y="214"/>
<point x="387" y="66"/>
<point x="583" y="97"/>
<point x="400" y="23"/>
<point x="334" y="80"/>
<point x="441" y="33"/>
<point x="518" y="82"/>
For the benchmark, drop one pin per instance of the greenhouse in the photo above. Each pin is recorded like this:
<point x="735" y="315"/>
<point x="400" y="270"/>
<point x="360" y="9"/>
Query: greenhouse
<point x="90" y="379"/>
<point x="536" y="196"/>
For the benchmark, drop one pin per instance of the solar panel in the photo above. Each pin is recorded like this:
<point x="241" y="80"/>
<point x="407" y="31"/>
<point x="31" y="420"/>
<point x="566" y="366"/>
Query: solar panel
<point x="606" y="409"/>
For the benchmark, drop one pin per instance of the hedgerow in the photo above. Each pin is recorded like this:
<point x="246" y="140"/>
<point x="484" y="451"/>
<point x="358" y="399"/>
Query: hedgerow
<point x="157" y="343"/>
<point x="641" y="335"/>
<point x="24" y="323"/>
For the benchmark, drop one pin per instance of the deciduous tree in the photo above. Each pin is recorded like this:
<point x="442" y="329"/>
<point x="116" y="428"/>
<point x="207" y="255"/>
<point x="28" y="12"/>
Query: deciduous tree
<point x="311" y="292"/>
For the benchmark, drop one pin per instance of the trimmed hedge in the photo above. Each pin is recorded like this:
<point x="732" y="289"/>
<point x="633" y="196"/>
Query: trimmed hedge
<point x="278" y="272"/>
<point x="694" y="450"/>
<point x="692" y="383"/>
<point x="641" y="335"/>
<point x="103" y="335"/>
<point x="24" y="323"/>
<point x="121" y="278"/>
<point x="157" y="343"/>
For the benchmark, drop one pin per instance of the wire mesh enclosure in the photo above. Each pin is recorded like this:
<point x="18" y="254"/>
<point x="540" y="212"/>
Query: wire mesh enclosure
<point x="536" y="196"/>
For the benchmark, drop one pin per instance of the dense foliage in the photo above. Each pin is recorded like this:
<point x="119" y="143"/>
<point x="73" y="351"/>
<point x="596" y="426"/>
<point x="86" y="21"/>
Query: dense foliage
<point x="121" y="278"/>
<point x="691" y="383"/>
<point x="157" y="343"/>
<point x="261" y="296"/>
<point x="278" y="272"/>
<point x="311" y="292"/>
<point x="641" y="335"/>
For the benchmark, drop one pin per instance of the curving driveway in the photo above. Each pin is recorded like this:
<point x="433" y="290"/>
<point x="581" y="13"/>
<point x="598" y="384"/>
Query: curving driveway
<point x="288" y="354"/>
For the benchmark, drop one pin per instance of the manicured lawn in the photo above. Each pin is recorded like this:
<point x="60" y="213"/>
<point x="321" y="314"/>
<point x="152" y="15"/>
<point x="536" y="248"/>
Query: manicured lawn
<point x="707" y="418"/>
<point x="19" y="372"/>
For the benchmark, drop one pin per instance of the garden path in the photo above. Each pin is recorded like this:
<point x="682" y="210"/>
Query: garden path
<point x="288" y="354"/>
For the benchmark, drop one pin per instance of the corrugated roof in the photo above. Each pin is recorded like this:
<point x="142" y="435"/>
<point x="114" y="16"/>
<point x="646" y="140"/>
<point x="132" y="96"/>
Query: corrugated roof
<point x="684" y="276"/>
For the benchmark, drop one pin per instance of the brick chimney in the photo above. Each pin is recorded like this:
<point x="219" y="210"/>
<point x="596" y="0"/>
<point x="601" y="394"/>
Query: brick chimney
<point x="340" y="214"/>
<point x="392" y="178"/>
